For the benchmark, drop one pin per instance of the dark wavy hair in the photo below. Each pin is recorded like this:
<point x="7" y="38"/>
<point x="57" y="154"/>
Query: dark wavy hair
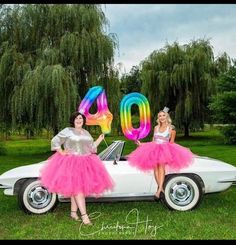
<point x="74" y="115"/>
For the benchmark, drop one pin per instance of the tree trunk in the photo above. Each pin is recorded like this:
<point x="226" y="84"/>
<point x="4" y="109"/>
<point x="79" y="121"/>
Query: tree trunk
<point x="29" y="133"/>
<point x="55" y="131"/>
<point x="186" y="130"/>
<point x="83" y="86"/>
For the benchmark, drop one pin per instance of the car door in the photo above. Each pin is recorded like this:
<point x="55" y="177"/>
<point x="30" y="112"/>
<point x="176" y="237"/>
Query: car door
<point x="129" y="181"/>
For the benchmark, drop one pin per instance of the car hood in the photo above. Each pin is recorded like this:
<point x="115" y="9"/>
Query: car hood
<point x="28" y="171"/>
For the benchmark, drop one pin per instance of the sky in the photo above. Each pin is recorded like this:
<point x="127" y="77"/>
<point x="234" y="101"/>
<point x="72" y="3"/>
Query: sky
<point x="143" y="28"/>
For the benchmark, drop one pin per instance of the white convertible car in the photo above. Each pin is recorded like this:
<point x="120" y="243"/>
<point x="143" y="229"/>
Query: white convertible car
<point x="183" y="190"/>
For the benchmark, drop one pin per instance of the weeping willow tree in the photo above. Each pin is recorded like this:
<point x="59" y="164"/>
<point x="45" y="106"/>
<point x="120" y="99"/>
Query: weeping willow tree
<point x="153" y="71"/>
<point x="52" y="97"/>
<point x="12" y="70"/>
<point x="182" y="78"/>
<point x="111" y="84"/>
<point x="49" y="56"/>
<point x="223" y="104"/>
<point x="131" y="82"/>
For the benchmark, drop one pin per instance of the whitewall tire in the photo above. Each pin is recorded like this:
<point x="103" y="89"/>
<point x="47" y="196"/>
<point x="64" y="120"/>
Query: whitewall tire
<point x="183" y="192"/>
<point x="35" y="199"/>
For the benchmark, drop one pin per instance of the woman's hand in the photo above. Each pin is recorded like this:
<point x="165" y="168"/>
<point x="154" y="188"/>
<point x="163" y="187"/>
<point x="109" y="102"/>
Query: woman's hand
<point x="63" y="152"/>
<point x="101" y="137"/>
<point x="137" y="142"/>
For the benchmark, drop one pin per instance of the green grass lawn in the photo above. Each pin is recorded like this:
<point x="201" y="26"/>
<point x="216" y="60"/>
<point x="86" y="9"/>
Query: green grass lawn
<point x="215" y="218"/>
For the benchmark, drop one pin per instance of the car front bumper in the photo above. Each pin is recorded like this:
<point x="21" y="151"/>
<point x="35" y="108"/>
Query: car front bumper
<point x="8" y="190"/>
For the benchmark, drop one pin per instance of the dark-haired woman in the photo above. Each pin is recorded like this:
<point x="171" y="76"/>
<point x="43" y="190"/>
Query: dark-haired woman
<point x="76" y="171"/>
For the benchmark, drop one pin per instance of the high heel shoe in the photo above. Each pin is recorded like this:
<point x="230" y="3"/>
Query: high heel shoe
<point x="73" y="215"/>
<point x="159" y="195"/>
<point x="85" y="219"/>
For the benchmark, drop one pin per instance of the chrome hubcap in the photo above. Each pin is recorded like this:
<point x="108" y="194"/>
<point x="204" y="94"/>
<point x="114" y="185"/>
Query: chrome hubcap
<point x="39" y="197"/>
<point x="181" y="193"/>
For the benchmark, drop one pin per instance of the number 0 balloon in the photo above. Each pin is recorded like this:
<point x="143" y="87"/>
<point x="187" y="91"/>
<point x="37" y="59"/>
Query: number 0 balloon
<point x="125" y="116"/>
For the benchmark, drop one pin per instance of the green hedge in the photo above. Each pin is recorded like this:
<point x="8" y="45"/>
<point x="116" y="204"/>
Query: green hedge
<point x="229" y="133"/>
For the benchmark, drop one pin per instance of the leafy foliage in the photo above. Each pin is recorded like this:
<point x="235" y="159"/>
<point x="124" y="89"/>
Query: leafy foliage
<point x="131" y="82"/>
<point x="229" y="133"/>
<point x="223" y="104"/>
<point x="182" y="78"/>
<point x="50" y="54"/>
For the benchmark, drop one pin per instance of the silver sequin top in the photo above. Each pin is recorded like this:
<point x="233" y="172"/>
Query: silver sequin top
<point x="74" y="142"/>
<point x="162" y="137"/>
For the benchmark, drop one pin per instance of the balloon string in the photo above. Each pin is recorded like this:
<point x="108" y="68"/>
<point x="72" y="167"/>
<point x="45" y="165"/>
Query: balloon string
<point x="105" y="142"/>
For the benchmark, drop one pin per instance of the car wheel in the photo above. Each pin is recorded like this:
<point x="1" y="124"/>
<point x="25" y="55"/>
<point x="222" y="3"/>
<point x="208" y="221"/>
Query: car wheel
<point x="35" y="199"/>
<point x="182" y="192"/>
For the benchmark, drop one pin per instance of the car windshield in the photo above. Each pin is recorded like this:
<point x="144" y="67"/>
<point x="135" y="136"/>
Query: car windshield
<point x="113" y="152"/>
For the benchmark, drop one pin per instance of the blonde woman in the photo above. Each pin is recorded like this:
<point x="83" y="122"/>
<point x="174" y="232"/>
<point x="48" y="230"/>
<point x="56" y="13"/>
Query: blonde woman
<point x="161" y="151"/>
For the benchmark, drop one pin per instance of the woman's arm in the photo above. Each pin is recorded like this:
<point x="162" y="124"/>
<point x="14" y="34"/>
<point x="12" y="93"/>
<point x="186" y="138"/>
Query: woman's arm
<point x="155" y="130"/>
<point x="99" y="140"/>
<point x="58" y="140"/>
<point x="172" y="136"/>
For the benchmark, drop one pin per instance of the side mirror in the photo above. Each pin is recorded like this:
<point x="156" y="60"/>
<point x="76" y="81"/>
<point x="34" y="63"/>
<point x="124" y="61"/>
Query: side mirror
<point x="117" y="158"/>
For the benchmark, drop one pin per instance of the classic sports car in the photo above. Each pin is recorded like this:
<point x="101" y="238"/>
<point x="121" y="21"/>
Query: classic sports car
<point x="183" y="190"/>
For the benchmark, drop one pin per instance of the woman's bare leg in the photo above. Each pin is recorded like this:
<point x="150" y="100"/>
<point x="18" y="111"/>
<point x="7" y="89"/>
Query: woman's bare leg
<point x="80" y="201"/>
<point x="74" y="209"/>
<point x="161" y="178"/>
<point x="156" y="174"/>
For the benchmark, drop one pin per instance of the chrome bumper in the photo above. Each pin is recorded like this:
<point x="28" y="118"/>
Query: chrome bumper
<point x="5" y="187"/>
<point x="233" y="181"/>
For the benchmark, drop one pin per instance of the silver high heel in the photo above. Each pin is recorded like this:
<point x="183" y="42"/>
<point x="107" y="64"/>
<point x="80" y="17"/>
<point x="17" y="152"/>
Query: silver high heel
<point x="73" y="215"/>
<point x="85" y="219"/>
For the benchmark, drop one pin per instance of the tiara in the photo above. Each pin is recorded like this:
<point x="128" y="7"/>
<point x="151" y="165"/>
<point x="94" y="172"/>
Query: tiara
<point x="166" y="109"/>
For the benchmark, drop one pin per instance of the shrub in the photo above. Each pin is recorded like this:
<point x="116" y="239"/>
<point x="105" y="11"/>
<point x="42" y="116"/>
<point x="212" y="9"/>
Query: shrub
<point x="229" y="133"/>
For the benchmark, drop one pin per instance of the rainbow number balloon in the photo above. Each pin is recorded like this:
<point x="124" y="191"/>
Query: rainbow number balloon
<point x="103" y="117"/>
<point x="125" y="116"/>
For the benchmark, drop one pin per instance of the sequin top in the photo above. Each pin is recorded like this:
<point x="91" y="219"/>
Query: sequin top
<point x="162" y="137"/>
<point x="74" y="142"/>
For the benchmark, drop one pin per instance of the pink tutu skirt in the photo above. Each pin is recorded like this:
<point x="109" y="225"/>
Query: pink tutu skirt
<point x="148" y="155"/>
<point x="72" y="174"/>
